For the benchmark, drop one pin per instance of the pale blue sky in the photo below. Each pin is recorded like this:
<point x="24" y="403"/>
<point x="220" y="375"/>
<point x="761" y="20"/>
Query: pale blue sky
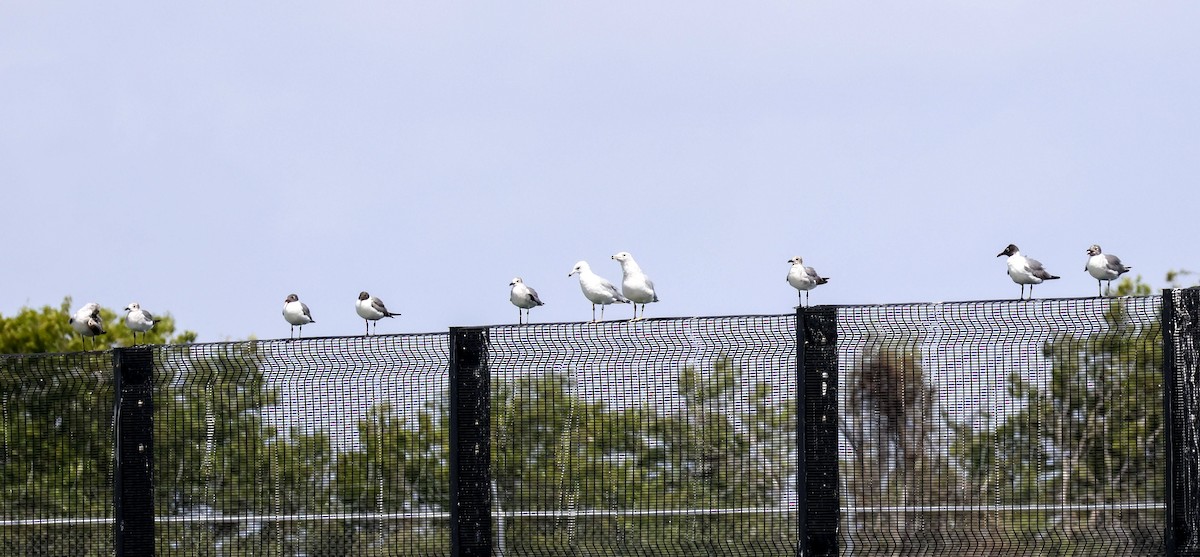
<point x="209" y="159"/>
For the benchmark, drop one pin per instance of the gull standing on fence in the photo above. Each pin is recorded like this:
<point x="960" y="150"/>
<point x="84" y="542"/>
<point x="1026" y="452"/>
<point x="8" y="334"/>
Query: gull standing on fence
<point x="1104" y="266"/>
<point x="524" y="297"/>
<point x="371" y="309"/>
<point x="296" y="314"/>
<point x="635" y="285"/>
<point x="138" y="320"/>
<point x="596" y="289"/>
<point x="87" y="322"/>
<point x="803" y="278"/>
<point x="1024" y="270"/>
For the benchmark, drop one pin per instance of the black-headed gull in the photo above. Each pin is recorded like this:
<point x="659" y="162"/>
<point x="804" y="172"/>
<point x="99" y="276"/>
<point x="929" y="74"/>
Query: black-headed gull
<point x="524" y="297"/>
<point x="1024" y="270"/>
<point x="138" y="320"/>
<point x="803" y="278"/>
<point x="296" y="314"/>
<point x="371" y="309"/>
<point x="596" y="289"/>
<point x="87" y="322"/>
<point x="635" y="285"/>
<point x="1104" y="266"/>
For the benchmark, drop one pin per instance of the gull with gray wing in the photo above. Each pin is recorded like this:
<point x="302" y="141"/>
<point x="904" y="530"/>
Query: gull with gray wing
<point x="596" y="289"/>
<point x="635" y="285"/>
<point x="138" y="320"/>
<point x="1104" y="266"/>
<point x="371" y="309"/>
<point x="524" y="297"/>
<point x="87" y="322"/>
<point x="1025" y="270"/>
<point x="803" y="279"/>
<point x="296" y="314"/>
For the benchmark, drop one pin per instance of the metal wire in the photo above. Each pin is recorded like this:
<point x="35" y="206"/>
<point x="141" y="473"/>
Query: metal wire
<point x="983" y="427"/>
<point x="1031" y="428"/>
<point x="664" y="437"/>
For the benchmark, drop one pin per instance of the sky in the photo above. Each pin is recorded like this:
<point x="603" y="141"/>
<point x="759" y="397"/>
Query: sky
<point x="207" y="160"/>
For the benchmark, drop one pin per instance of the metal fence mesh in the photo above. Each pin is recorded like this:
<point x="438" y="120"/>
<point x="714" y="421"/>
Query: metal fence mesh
<point x="309" y="447"/>
<point x="663" y="437"/>
<point x="56" y="454"/>
<point x="985" y="428"/>
<point x="1002" y="428"/>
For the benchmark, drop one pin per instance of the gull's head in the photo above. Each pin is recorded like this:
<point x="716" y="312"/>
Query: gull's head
<point x="796" y="260"/>
<point x="361" y="295"/>
<point x="517" y="280"/>
<point x="132" y="306"/>
<point x="291" y="298"/>
<point x="622" y="257"/>
<point x="1094" y="250"/>
<point x="1010" y="250"/>
<point x="90" y="307"/>
<point x="579" y="268"/>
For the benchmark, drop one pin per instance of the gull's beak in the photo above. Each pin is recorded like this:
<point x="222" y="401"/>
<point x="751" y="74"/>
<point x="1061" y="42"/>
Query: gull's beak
<point x="1001" y="253"/>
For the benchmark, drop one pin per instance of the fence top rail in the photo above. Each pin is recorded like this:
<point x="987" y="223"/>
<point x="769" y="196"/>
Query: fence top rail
<point x="235" y="343"/>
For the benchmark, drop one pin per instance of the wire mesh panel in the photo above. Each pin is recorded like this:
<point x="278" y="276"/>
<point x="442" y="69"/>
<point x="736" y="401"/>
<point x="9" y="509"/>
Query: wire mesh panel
<point x="659" y="437"/>
<point x="327" y="446"/>
<point x="56" y="454"/>
<point x="1002" y="428"/>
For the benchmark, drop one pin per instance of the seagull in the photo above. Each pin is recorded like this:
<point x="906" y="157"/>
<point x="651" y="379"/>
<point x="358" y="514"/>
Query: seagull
<point x="596" y="289"/>
<point x="138" y="320"/>
<point x="87" y="322"/>
<point x="1104" y="266"/>
<point x="635" y="285"/>
<point x="1024" y="270"/>
<point x="803" y="278"/>
<point x="370" y="309"/>
<point x="296" y="313"/>
<point x="524" y="297"/>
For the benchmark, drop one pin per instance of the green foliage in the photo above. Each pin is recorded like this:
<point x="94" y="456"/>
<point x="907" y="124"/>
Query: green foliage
<point x="729" y="445"/>
<point x="1093" y="434"/>
<point x="48" y="330"/>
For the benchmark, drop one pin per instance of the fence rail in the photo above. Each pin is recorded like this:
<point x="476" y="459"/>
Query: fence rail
<point x="1046" y="427"/>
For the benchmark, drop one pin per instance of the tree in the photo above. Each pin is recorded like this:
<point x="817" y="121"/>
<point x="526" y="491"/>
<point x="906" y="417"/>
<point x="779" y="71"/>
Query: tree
<point x="398" y="467"/>
<point x="891" y="424"/>
<point x="55" y="428"/>
<point x="729" y="446"/>
<point x="1093" y="434"/>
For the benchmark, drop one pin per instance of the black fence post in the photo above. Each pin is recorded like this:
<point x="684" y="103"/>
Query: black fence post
<point x="133" y="416"/>
<point x="470" y="444"/>
<point x="816" y="431"/>
<point x="1181" y="405"/>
